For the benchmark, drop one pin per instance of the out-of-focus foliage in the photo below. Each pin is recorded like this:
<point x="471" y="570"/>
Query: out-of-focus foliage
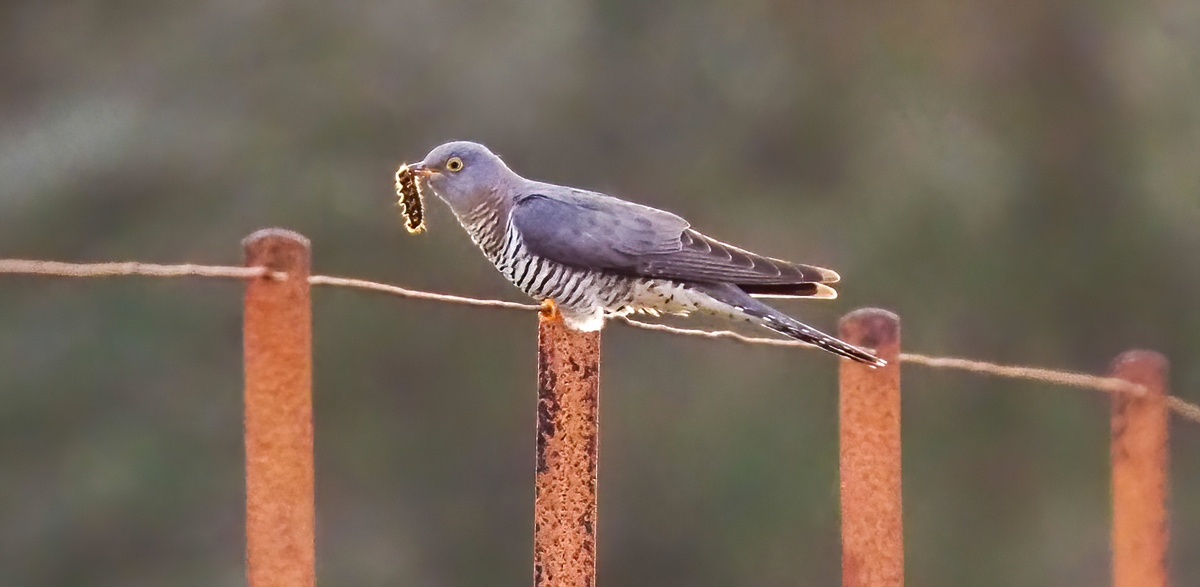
<point x="1019" y="180"/>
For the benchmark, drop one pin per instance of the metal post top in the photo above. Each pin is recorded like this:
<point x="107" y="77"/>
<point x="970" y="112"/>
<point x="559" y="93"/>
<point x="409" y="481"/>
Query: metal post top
<point x="260" y="236"/>
<point x="278" y="249"/>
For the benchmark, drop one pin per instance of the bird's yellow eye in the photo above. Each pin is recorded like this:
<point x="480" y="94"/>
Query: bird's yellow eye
<point x="454" y="164"/>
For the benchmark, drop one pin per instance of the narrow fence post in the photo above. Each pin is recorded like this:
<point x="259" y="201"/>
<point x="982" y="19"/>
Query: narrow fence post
<point x="869" y="420"/>
<point x="1139" y="472"/>
<point x="279" y="444"/>
<point x="564" y="513"/>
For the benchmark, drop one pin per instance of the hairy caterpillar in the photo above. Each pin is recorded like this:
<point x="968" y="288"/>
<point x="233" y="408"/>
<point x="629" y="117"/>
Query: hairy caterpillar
<point x="412" y="206"/>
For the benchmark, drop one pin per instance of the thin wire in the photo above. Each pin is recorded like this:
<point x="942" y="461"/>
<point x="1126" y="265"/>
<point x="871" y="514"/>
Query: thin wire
<point x="1180" y="406"/>
<point x="1082" y="380"/>
<point x="412" y="293"/>
<point x="729" y="334"/>
<point x="1183" y="408"/>
<point x="130" y="268"/>
<point x="1109" y="384"/>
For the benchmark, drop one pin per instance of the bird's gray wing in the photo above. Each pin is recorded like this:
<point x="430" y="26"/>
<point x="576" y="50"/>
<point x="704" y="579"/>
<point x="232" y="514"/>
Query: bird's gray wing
<point x="587" y="229"/>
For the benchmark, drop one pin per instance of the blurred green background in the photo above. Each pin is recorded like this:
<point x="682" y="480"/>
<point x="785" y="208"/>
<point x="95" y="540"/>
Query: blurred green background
<point x="1019" y="180"/>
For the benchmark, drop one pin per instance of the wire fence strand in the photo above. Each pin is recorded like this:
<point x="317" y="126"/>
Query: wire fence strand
<point x="1068" y="378"/>
<point x="1181" y="407"/>
<point x="130" y="268"/>
<point x="413" y="293"/>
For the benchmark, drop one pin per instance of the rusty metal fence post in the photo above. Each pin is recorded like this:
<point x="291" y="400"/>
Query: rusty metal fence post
<point x="1139" y="455"/>
<point x="564" y="513"/>
<point x="278" y="396"/>
<point x="869" y="423"/>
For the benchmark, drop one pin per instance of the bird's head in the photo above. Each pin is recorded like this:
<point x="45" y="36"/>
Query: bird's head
<point x="464" y="174"/>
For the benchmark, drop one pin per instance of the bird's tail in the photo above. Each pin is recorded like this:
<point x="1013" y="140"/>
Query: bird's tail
<point x="786" y="325"/>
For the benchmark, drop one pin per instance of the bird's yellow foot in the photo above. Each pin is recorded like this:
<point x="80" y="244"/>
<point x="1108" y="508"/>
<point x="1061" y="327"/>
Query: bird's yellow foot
<point x="550" y="311"/>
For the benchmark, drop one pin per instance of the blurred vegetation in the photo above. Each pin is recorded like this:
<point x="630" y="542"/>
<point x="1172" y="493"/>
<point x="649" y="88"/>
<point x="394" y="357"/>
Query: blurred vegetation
<point x="1018" y="180"/>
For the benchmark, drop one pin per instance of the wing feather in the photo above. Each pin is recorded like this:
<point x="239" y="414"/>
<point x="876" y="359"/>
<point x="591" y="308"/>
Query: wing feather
<point x="587" y="229"/>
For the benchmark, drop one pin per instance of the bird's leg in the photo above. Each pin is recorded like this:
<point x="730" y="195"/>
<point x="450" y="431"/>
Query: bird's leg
<point x="550" y="311"/>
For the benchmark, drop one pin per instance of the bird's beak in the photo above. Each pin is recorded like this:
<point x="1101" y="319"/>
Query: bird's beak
<point x="420" y="170"/>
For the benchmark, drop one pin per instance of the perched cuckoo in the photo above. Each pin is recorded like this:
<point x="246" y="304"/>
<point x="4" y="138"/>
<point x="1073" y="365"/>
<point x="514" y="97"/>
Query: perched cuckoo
<point x="591" y="255"/>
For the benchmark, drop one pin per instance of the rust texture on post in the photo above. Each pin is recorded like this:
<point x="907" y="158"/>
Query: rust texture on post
<point x="869" y="421"/>
<point x="279" y="439"/>
<point x="564" y="513"/>
<point x="1139" y="472"/>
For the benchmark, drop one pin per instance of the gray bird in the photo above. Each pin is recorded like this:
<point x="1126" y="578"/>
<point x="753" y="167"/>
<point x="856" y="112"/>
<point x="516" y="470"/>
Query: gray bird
<point x="591" y="255"/>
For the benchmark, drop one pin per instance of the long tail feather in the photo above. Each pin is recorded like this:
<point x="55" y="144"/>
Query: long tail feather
<point x="786" y="325"/>
<point x="792" y="328"/>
